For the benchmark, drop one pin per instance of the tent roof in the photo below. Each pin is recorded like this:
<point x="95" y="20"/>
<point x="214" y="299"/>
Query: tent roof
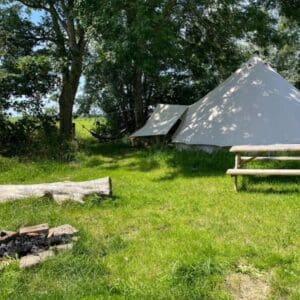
<point x="161" y="121"/>
<point x="255" y="105"/>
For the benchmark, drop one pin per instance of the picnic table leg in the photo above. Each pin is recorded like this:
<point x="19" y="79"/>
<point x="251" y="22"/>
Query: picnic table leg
<point x="235" y="183"/>
<point x="237" y="166"/>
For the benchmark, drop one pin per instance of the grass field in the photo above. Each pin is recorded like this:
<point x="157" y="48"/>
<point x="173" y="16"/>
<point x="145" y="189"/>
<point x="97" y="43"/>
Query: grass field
<point x="174" y="229"/>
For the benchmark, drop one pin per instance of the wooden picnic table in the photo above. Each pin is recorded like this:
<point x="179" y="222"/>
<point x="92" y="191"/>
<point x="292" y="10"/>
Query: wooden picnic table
<point x="254" y="152"/>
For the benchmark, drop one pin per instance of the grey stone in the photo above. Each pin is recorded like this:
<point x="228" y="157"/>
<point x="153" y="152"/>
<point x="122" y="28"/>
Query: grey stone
<point x="62" y="247"/>
<point x="61" y="234"/>
<point x="46" y="254"/>
<point x="62" y="230"/>
<point x="29" y="261"/>
<point x="34" y="230"/>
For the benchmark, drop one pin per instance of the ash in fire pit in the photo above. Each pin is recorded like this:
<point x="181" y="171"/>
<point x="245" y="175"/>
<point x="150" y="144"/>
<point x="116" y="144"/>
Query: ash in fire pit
<point x="34" y="244"/>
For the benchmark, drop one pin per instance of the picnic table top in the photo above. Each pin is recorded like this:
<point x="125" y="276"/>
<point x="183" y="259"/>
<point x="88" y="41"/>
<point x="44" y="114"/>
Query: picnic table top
<point x="265" y="148"/>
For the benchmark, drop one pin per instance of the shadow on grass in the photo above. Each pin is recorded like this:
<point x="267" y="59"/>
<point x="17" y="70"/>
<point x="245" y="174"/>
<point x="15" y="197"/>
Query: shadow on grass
<point x="114" y="150"/>
<point x="190" y="164"/>
<point x="270" y="190"/>
<point x="143" y="165"/>
<point x="270" y="185"/>
<point x="94" y="162"/>
<point x="192" y="174"/>
<point x="196" y="164"/>
<point x="182" y="163"/>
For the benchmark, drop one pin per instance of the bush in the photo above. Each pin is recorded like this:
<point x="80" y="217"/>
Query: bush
<point x="35" y="137"/>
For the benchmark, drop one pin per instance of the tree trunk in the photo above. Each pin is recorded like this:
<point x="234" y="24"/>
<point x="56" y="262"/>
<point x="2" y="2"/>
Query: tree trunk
<point x="70" y="83"/>
<point x="66" y="102"/>
<point x="138" y="99"/>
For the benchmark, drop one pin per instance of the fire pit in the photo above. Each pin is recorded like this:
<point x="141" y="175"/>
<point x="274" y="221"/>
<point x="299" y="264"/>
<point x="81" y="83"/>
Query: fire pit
<point x="35" y="243"/>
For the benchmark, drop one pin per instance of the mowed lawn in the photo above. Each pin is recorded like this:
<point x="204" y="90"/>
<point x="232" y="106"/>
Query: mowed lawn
<point x="174" y="229"/>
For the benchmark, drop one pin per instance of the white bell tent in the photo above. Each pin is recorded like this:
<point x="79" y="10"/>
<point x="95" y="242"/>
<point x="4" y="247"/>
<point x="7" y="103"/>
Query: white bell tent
<point x="254" y="106"/>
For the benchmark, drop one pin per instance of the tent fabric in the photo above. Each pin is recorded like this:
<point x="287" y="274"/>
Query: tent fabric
<point x="254" y="106"/>
<point x="161" y="121"/>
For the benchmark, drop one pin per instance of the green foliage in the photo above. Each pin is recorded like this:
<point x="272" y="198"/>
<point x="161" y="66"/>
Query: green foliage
<point x="25" y="73"/>
<point x="289" y="9"/>
<point x="283" y="51"/>
<point x="34" y="137"/>
<point x="135" y="35"/>
<point x="45" y="58"/>
<point x="286" y="58"/>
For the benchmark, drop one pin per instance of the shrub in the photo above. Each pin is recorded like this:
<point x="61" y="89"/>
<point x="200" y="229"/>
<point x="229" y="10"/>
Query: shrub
<point x="35" y="137"/>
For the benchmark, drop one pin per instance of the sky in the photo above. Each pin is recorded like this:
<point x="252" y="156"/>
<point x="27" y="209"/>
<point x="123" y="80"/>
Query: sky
<point x="36" y="16"/>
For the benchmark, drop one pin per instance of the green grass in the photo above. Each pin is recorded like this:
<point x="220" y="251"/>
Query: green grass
<point x="174" y="228"/>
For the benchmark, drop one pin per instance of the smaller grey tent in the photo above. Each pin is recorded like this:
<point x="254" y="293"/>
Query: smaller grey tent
<point x="162" y="121"/>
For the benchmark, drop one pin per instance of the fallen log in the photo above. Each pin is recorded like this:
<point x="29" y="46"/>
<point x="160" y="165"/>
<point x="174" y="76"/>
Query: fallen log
<point x="58" y="191"/>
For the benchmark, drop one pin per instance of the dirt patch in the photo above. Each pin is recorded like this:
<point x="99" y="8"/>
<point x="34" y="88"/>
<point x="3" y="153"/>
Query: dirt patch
<point x="245" y="287"/>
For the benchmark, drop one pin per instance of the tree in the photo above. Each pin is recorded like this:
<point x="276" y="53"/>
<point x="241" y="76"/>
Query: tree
<point x="283" y="51"/>
<point x="62" y="32"/>
<point x="25" y="69"/>
<point x="218" y="36"/>
<point x="289" y="9"/>
<point x="137" y="41"/>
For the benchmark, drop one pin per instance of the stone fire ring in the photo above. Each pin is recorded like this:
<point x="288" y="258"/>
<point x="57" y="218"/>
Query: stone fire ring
<point x="34" y="244"/>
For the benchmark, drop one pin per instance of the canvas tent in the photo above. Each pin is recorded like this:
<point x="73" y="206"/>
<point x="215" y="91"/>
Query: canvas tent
<point x="162" y="121"/>
<point x="255" y="105"/>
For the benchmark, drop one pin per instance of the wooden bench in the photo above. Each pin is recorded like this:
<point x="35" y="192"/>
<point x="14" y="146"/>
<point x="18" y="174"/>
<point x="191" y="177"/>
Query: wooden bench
<point x="253" y="152"/>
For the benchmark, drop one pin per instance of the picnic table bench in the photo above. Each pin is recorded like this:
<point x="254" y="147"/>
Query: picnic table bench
<point x="253" y="152"/>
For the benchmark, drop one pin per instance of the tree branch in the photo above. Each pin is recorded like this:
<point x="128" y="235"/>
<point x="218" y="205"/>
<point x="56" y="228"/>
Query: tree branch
<point x="33" y="4"/>
<point x="56" y="27"/>
<point x="69" y="26"/>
